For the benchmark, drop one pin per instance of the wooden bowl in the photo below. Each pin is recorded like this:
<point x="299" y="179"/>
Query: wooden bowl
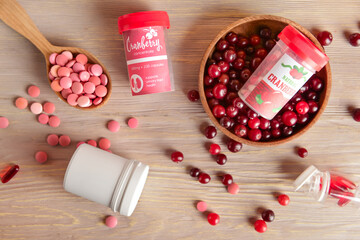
<point x="248" y="26"/>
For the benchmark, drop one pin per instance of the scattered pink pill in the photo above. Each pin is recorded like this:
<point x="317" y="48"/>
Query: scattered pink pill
<point x="104" y="143"/>
<point x="54" y="69"/>
<point x="54" y="121"/>
<point x="133" y="123"/>
<point x="61" y="60"/>
<point x="49" y="107"/>
<point x="84" y="76"/>
<point x="78" y="67"/>
<point x="104" y="80"/>
<point x="96" y="69"/>
<point x="36" y="108"/>
<point x="68" y="54"/>
<point x="233" y="188"/>
<point x="52" y="58"/>
<point x="21" y="103"/>
<point x="55" y="85"/>
<point x="65" y="82"/>
<point x="89" y="87"/>
<point x="72" y="99"/>
<point x="33" y="91"/>
<point x="81" y="58"/>
<point x="75" y="77"/>
<point x="79" y="143"/>
<point x="64" y="140"/>
<point x="83" y="101"/>
<point x="77" y="88"/>
<point x="97" y="101"/>
<point x="41" y="156"/>
<point x="201" y="206"/>
<point x="111" y="221"/>
<point x="113" y="126"/>
<point x="70" y="63"/>
<point x="4" y="122"/>
<point x="63" y="72"/>
<point x="52" y="139"/>
<point x="66" y="92"/>
<point x="92" y="143"/>
<point x="95" y="80"/>
<point x="100" y="91"/>
<point x="43" y="118"/>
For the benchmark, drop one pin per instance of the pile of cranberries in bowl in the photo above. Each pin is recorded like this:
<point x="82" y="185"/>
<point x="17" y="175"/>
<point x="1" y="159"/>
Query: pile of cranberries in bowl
<point x="234" y="59"/>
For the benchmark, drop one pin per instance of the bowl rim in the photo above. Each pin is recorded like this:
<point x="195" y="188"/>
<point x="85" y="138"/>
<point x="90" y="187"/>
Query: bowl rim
<point x="323" y="100"/>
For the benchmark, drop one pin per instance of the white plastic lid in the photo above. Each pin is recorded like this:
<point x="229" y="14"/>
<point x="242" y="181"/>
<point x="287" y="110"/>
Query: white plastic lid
<point x="305" y="176"/>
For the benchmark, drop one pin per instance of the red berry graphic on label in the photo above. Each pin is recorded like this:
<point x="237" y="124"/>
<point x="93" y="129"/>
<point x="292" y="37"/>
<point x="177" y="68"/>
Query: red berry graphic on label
<point x="295" y="71"/>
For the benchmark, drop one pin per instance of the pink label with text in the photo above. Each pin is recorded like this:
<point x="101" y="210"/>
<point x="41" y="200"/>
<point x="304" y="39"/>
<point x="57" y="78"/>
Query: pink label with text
<point x="147" y="60"/>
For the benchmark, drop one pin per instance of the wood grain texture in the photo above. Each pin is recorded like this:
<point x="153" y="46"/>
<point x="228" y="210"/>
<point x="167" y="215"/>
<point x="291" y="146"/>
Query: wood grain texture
<point x="35" y="206"/>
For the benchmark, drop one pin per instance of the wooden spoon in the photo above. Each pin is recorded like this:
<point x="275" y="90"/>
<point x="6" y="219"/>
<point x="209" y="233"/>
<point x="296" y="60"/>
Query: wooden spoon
<point x="16" y="17"/>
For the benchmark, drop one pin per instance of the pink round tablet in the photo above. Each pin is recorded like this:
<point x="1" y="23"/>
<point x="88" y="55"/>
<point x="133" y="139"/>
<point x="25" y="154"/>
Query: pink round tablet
<point x="33" y="91"/>
<point x="89" y="87"/>
<point x="61" y="60"/>
<point x="97" y="101"/>
<point x="75" y="77"/>
<point x="66" y="92"/>
<point x="72" y="99"/>
<point x="113" y="126"/>
<point x="21" y="103"/>
<point x="64" y="140"/>
<point x="100" y="91"/>
<point x="4" y="122"/>
<point x="52" y="58"/>
<point x="133" y="123"/>
<point x="70" y="63"/>
<point x="49" y="107"/>
<point x="96" y="69"/>
<point x="43" y="118"/>
<point x="111" y="221"/>
<point x="65" y="82"/>
<point x="55" y="85"/>
<point x="78" y="67"/>
<point x="95" y="80"/>
<point x="104" y="80"/>
<point x="104" y="143"/>
<point x="52" y="139"/>
<point x="92" y="143"/>
<point x="201" y="206"/>
<point x="54" y="69"/>
<point x="81" y="58"/>
<point x="233" y="188"/>
<point x="77" y="87"/>
<point x="51" y="76"/>
<point x="68" y="54"/>
<point x="41" y="156"/>
<point x="54" y="121"/>
<point x="83" y="101"/>
<point x="63" y="72"/>
<point x="84" y="76"/>
<point x="91" y="96"/>
<point x="36" y="108"/>
<point x="79" y="143"/>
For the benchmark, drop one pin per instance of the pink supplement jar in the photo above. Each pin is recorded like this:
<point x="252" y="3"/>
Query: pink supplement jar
<point x="287" y="67"/>
<point x="149" y="67"/>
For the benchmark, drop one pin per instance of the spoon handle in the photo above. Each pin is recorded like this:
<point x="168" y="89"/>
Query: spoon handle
<point x="15" y="16"/>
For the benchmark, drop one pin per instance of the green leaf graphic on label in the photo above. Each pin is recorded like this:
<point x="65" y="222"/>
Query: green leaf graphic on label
<point x="304" y="73"/>
<point x="258" y="99"/>
<point x="286" y="66"/>
<point x="297" y="68"/>
<point x="275" y="110"/>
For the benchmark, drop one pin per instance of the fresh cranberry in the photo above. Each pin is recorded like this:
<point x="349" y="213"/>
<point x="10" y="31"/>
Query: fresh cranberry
<point x="304" y="88"/>
<point x="235" y="85"/>
<point x="254" y="123"/>
<point x="231" y="47"/>
<point x="255" y="62"/>
<point x="265" y="32"/>
<point x="222" y="45"/>
<point x="247" y="64"/>
<point x="193" y="95"/>
<point x="252" y="114"/>
<point x="286" y="131"/>
<point x="297" y="98"/>
<point x="354" y="39"/>
<point x="242" y="119"/>
<point x="204" y="178"/>
<point x="227" y="179"/>
<point x="311" y="95"/>
<point x="283" y="199"/>
<point x="230" y="97"/>
<point x="255" y="40"/>
<point x="219" y="91"/>
<point x="302" y="118"/>
<point x="274" y="124"/>
<point x="213" y="218"/>
<point x="276" y="133"/>
<point x="269" y="44"/>
<point x="245" y="74"/>
<point x="242" y="42"/>
<point x="250" y="50"/>
<point x="254" y="134"/>
<point x="316" y="84"/>
<point x="226" y="122"/>
<point x="313" y="107"/>
<point x="288" y="107"/>
<point x="241" y="54"/>
<point x="209" y="93"/>
<point x="239" y="63"/>
<point x="266" y="135"/>
<point x="264" y="123"/>
<point x="218" y="111"/>
<point x="194" y="172"/>
<point x="356" y="114"/>
<point x="289" y="118"/>
<point x="210" y="62"/>
<point x="224" y="79"/>
<point x="214" y="149"/>
<point x="231" y="37"/>
<point x="217" y="56"/>
<point x="177" y="157"/>
<point x="213" y="102"/>
<point x="214" y="71"/>
<point x="208" y="81"/>
<point x="302" y="107"/>
<point x="221" y="159"/>
<point x="229" y="55"/>
<point x="224" y="66"/>
<point x="260" y="226"/>
<point x="261" y="53"/>
<point x="240" y="130"/>
<point x="233" y="74"/>
<point x="234" y="146"/>
<point x="210" y="132"/>
<point x="237" y="102"/>
<point x="325" y="38"/>
<point x="232" y="111"/>
<point x="268" y="215"/>
<point x="302" y="152"/>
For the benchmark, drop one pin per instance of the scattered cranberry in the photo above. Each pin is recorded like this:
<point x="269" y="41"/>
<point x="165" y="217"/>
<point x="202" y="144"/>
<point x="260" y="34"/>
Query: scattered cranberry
<point x="227" y="179"/>
<point x="221" y="159"/>
<point x="283" y="199"/>
<point x="177" y="157"/>
<point x="354" y="39"/>
<point x="255" y="40"/>
<point x="234" y="146"/>
<point x="260" y="226"/>
<point x="204" y="178"/>
<point x="356" y="114"/>
<point x="254" y="123"/>
<point x="213" y="218"/>
<point x="219" y="91"/>
<point x="254" y="134"/>
<point x="289" y="118"/>
<point x="195" y="172"/>
<point x="268" y="215"/>
<point x="325" y="38"/>
<point x="218" y="111"/>
<point x="214" y="149"/>
<point x="302" y="152"/>
<point x="240" y="130"/>
<point x="210" y="132"/>
<point x="214" y="71"/>
<point x="302" y="107"/>
<point x="193" y="95"/>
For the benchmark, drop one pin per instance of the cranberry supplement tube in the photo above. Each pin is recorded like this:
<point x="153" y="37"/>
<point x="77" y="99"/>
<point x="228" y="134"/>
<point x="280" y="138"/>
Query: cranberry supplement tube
<point x="106" y="178"/>
<point x="149" y="67"/>
<point x="323" y="184"/>
<point x="291" y="62"/>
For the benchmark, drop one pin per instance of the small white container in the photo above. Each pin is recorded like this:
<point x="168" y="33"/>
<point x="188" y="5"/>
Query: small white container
<point x="106" y="178"/>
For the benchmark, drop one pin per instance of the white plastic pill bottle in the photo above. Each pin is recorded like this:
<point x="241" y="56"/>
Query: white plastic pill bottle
<point x="106" y="178"/>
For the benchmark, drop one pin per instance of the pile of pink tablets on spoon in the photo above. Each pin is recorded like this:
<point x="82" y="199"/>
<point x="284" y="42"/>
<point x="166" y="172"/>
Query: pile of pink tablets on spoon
<point x="81" y="83"/>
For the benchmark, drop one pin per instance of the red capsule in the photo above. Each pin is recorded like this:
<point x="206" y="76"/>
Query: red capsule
<point x="9" y="172"/>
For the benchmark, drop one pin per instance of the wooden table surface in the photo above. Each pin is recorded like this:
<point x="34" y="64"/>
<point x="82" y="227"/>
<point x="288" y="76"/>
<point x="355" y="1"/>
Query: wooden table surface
<point x="35" y="206"/>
